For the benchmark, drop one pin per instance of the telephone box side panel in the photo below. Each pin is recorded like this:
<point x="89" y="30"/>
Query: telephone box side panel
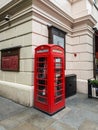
<point x="59" y="88"/>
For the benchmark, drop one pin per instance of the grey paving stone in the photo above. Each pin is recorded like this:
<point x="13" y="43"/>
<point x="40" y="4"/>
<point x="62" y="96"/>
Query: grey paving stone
<point x="2" y="128"/>
<point x="9" y="108"/>
<point x="79" y="111"/>
<point x="8" y="124"/>
<point x="18" y="119"/>
<point x="88" y="125"/>
<point x="59" y="126"/>
<point x="61" y="113"/>
<point x="42" y="121"/>
<point x="26" y="126"/>
<point x="82" y="108"/>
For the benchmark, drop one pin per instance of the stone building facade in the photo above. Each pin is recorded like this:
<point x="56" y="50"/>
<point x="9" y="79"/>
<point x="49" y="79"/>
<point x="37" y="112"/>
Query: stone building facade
<point x="28" y="27"/>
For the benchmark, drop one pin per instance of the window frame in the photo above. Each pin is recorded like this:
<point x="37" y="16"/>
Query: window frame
<point x="96" y="4"/>
<point x="57" y="32"/>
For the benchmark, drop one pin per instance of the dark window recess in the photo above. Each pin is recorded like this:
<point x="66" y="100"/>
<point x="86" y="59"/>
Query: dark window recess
<point x="96" y="42"/>
<point x="10" y="59"/>
<point x="71" y="86"/>
<point x="56" y="36"/>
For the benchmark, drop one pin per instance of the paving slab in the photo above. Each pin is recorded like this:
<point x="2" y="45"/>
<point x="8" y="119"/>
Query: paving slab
<point x="26" y="126"/>
<point x="80" y="113"/>
<point x="61" y="113"/>
<point x="59" y="126"/>
<point x="42" y="121"/>
<point x="88" y="125"/>
<point x="2" y="128"/>
<point x="81" y="108"/>
<point x="9" y="108"/>
<point x="19" y="118"/>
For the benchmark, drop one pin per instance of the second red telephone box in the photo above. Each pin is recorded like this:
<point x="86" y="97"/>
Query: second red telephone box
<point x="49" y="86"/>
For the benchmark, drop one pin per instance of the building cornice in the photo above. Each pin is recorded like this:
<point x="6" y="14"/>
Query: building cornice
<point x="48" y="11"/>
<point x="84" y="25"/>
<point x="52" y="6"/>
<point x="74" y="1"/>
<point x="49" y="19"/>
<point x="87" y="18"/>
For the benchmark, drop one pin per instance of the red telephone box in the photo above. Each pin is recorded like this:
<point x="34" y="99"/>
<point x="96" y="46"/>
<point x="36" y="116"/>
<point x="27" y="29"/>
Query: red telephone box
<point x="49" y="86"/>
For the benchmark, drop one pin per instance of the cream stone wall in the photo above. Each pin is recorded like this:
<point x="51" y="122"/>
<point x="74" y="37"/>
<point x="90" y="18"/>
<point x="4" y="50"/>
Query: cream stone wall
<point x="19" y="35"/>
<point x="82" y="63"/>
<point x="18" y="86"/>
<point x="62" y="4"/>
<point x="69" y="55"/>
<point x="82" y="45"/>
<point x="82" y="8"/>
<point x="79" y="38"/>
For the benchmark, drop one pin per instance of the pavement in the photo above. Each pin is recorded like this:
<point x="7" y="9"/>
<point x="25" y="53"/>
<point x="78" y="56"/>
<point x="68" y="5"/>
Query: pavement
<point x="81" y="113"/>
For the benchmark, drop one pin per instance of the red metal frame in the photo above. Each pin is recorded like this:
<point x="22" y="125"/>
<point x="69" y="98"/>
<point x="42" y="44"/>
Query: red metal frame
<point x="49" y="84"/>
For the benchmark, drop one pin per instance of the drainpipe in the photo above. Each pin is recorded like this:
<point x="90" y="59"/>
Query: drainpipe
<point x="94" y="50"/>
<point x="94" y="64"/>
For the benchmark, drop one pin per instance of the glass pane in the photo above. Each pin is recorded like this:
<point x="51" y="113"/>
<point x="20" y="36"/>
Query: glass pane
<point x="40" y="87"/>
<point x="58" y="60"/>
<point x="59" y="93"/>
<point x="58" y="70"/>
<point x="58" y="40"/>
<point x="58" y="81"/>
<point x="58" y="99"/>
<point x="42" y="67"/>
<point x="57" y="65"/>
<point x="42" y="59"/>
<point x="41" y="99"/>
<point x="42" y="82"/>
<point x="58" y="78"/>
<point x="58" y="75"/>
<point x="42" y="73"/>
<point x="59" y="87"/>
<point x="42" y="93"/>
